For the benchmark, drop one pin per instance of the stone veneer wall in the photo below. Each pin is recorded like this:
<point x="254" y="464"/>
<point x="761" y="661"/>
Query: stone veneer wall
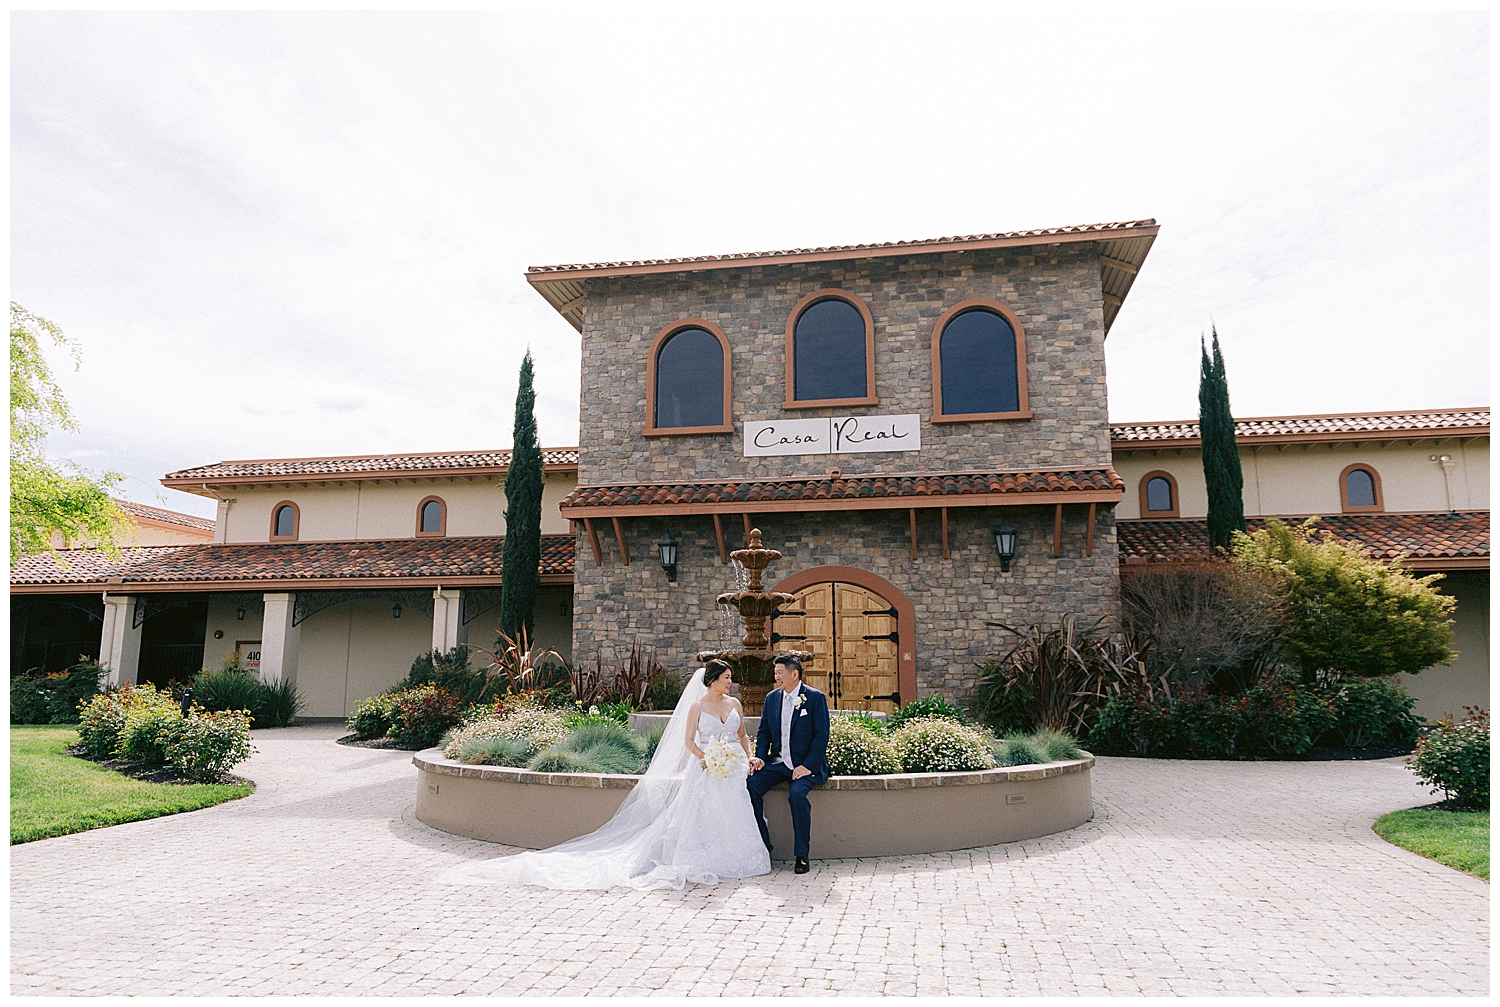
<point x="1056" y="293"/>
<point x="615" y="604"/>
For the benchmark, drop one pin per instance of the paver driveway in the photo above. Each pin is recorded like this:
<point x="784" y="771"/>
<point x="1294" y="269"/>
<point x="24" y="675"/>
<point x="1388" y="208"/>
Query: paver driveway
<point x="1192" y="878"/>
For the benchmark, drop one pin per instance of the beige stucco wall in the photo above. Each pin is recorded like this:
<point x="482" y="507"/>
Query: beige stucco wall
<point x="355" y="650"/>
<point x="1305" y="479"/>
<point x="221" y="617"/>
<point x="1465" y="682"/>
<point x="374" y="510"/>
<point x="140" y="534"/>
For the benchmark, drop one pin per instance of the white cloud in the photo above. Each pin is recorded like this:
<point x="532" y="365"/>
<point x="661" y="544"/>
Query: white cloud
<point x="288" y="234"/>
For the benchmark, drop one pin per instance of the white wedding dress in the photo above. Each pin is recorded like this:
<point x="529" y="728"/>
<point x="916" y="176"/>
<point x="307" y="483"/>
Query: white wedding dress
<point x="678" y="824"/>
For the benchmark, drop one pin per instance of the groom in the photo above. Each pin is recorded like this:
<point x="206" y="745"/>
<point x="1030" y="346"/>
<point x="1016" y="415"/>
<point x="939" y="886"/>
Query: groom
<point x="792" y="744"/>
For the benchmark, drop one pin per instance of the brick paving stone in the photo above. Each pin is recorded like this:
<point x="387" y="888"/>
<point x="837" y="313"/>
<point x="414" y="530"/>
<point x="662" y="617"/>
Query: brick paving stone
<point x="1194" y="878"/>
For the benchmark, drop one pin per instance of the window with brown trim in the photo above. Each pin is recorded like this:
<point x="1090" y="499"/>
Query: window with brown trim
<point x="979" y="364"/>
<point x="1359" y="490"/>
<point x="687" y="380"/>
<point x="1159" y="495"/>
<point x="286" y="521"/>
<point x="432" y="518"/>
<point x="830" y="352"/>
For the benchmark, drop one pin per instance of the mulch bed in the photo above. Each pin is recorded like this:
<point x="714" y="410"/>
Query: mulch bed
<point x="147" y="773"/>
<point x="386" y="743"/>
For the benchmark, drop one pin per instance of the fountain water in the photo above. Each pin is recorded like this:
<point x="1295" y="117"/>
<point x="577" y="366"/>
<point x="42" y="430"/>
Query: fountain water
<point x="752" y="661"/>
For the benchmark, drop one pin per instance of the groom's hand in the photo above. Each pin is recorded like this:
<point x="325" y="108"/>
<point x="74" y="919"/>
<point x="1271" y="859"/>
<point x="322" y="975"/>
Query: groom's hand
<point x="800" y="772"/>
<point x="756" y="765"/>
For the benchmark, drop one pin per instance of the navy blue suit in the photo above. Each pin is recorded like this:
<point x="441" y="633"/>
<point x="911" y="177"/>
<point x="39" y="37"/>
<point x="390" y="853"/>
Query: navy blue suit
<point x="808" y="746"/>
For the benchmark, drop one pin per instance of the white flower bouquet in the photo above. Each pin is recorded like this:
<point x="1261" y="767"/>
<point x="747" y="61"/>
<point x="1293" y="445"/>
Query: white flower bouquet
<point x="723" y="759"/>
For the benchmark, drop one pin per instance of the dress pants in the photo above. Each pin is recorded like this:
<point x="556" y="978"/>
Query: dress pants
<point x="761" y="782"/>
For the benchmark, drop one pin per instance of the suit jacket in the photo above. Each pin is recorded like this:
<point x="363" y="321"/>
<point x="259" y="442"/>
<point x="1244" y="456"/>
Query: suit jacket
<point x="809" y="741"/>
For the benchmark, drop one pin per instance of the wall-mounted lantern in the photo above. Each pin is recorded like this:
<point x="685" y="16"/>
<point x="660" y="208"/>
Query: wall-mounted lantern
<point x="668" y="548"/>
<point x="396" y="610"/>
<point x="239" y="614"/>
<point x="1005" y="545"/>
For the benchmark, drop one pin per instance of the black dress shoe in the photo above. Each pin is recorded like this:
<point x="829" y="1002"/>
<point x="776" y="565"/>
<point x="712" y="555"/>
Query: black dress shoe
<point x="802" y="867"/>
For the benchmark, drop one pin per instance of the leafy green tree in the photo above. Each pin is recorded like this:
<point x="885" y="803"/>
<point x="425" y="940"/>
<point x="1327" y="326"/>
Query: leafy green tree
<point x="1351" y="612"/>
<point x="1221" y="455"/>
<point x="49" y="498"/>
<point x="522" y="556"/>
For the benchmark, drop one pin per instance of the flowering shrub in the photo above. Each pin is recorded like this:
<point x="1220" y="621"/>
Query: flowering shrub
<point x="102" y="718"/>
<point x="206" y="746"/>
<point x="146" y="733"/>
<point x="1455" y="758"/>
<point x="857" y="749"/>
<point x="422" y="715"/>
<point x="372" y="717"/>
<point x="939" y="745"/>
<point x="536" y="726"/>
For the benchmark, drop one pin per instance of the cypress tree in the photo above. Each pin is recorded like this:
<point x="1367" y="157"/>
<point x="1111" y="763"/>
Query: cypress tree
<point x="1221" y="456"/>
<point x="521" y="560"/>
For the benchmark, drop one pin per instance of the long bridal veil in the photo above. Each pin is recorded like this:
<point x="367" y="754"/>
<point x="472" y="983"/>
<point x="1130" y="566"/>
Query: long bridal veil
<point x="636" y="847"/>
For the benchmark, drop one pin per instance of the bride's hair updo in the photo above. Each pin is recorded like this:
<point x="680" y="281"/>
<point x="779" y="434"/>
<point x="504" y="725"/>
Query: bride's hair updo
<point x="713" y="671"/>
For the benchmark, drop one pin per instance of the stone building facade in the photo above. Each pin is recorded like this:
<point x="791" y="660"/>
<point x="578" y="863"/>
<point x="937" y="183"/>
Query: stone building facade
<point x="1046" y="471"/>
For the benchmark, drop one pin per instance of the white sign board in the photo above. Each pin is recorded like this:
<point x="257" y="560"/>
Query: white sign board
<point x="837" y="435"/>
<point x="249" y="651"/>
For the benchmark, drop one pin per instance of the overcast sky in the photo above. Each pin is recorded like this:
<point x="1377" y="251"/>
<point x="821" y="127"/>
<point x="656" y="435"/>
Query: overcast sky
<point x="291" y="234"/>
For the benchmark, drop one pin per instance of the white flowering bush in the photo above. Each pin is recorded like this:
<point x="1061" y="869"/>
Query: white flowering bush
<point x="855" y="749"/>
<point x="937" y="745"/>
<point x="538" y="726"/>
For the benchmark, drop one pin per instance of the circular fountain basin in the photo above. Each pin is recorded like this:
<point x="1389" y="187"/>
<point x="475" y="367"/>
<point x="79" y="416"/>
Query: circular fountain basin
<point x="853" y="816"/>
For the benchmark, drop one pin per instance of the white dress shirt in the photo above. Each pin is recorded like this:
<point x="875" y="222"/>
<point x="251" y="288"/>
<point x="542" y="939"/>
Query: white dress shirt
<point x="788" y="711"/>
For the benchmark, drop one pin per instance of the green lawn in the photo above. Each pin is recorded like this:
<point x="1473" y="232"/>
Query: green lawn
<point x="52" y="794"/>
<point x="1460" y="839"/>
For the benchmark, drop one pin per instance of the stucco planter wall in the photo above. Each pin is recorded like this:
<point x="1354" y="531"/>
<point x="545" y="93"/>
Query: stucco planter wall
<point x="853" y="816"/>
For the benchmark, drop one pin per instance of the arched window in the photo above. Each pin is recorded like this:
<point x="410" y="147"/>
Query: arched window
<point x="687" y="380"/>
<point x="830" y="352"/>
<point x="1159" y="495"/>
<point x="1359" y="489"/>
<point x="285" y="520"/>
<point x="432" y="518"/>
<point x="979" y="364"/>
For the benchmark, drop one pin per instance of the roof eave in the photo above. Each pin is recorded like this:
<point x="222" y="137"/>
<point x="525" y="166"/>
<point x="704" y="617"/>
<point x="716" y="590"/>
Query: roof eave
<point x="565" y="289"/>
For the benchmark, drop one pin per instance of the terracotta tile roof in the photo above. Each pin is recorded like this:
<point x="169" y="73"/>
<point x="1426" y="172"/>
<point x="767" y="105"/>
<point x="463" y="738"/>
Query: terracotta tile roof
<point x="1428" y="538"/>
<point x="902" y="490"/>
<point x="363" y="466"/>
<point x="919" y="245"/>
<point x="263" y="565"/>
<point x="1317" y="428"/>
<point x="166" y="516"/>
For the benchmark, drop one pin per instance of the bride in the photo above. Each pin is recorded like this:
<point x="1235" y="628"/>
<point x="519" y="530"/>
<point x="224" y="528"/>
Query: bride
<point x="685" y="820"/>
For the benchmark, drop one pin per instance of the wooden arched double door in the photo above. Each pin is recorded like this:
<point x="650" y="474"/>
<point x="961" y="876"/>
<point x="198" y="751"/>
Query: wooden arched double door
<point x="854" y="635"/>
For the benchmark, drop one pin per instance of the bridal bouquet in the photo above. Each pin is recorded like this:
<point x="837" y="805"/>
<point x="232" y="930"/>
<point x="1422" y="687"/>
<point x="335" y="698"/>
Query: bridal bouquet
<point x="723" y="759"/>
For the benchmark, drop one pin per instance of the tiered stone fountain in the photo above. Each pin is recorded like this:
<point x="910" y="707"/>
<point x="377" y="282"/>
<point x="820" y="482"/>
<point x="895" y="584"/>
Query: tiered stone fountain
<point x="753" y="661"/>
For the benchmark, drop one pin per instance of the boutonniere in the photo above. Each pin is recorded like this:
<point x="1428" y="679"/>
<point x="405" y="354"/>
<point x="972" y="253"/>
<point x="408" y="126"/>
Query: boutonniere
<point x="801" y="700"/>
